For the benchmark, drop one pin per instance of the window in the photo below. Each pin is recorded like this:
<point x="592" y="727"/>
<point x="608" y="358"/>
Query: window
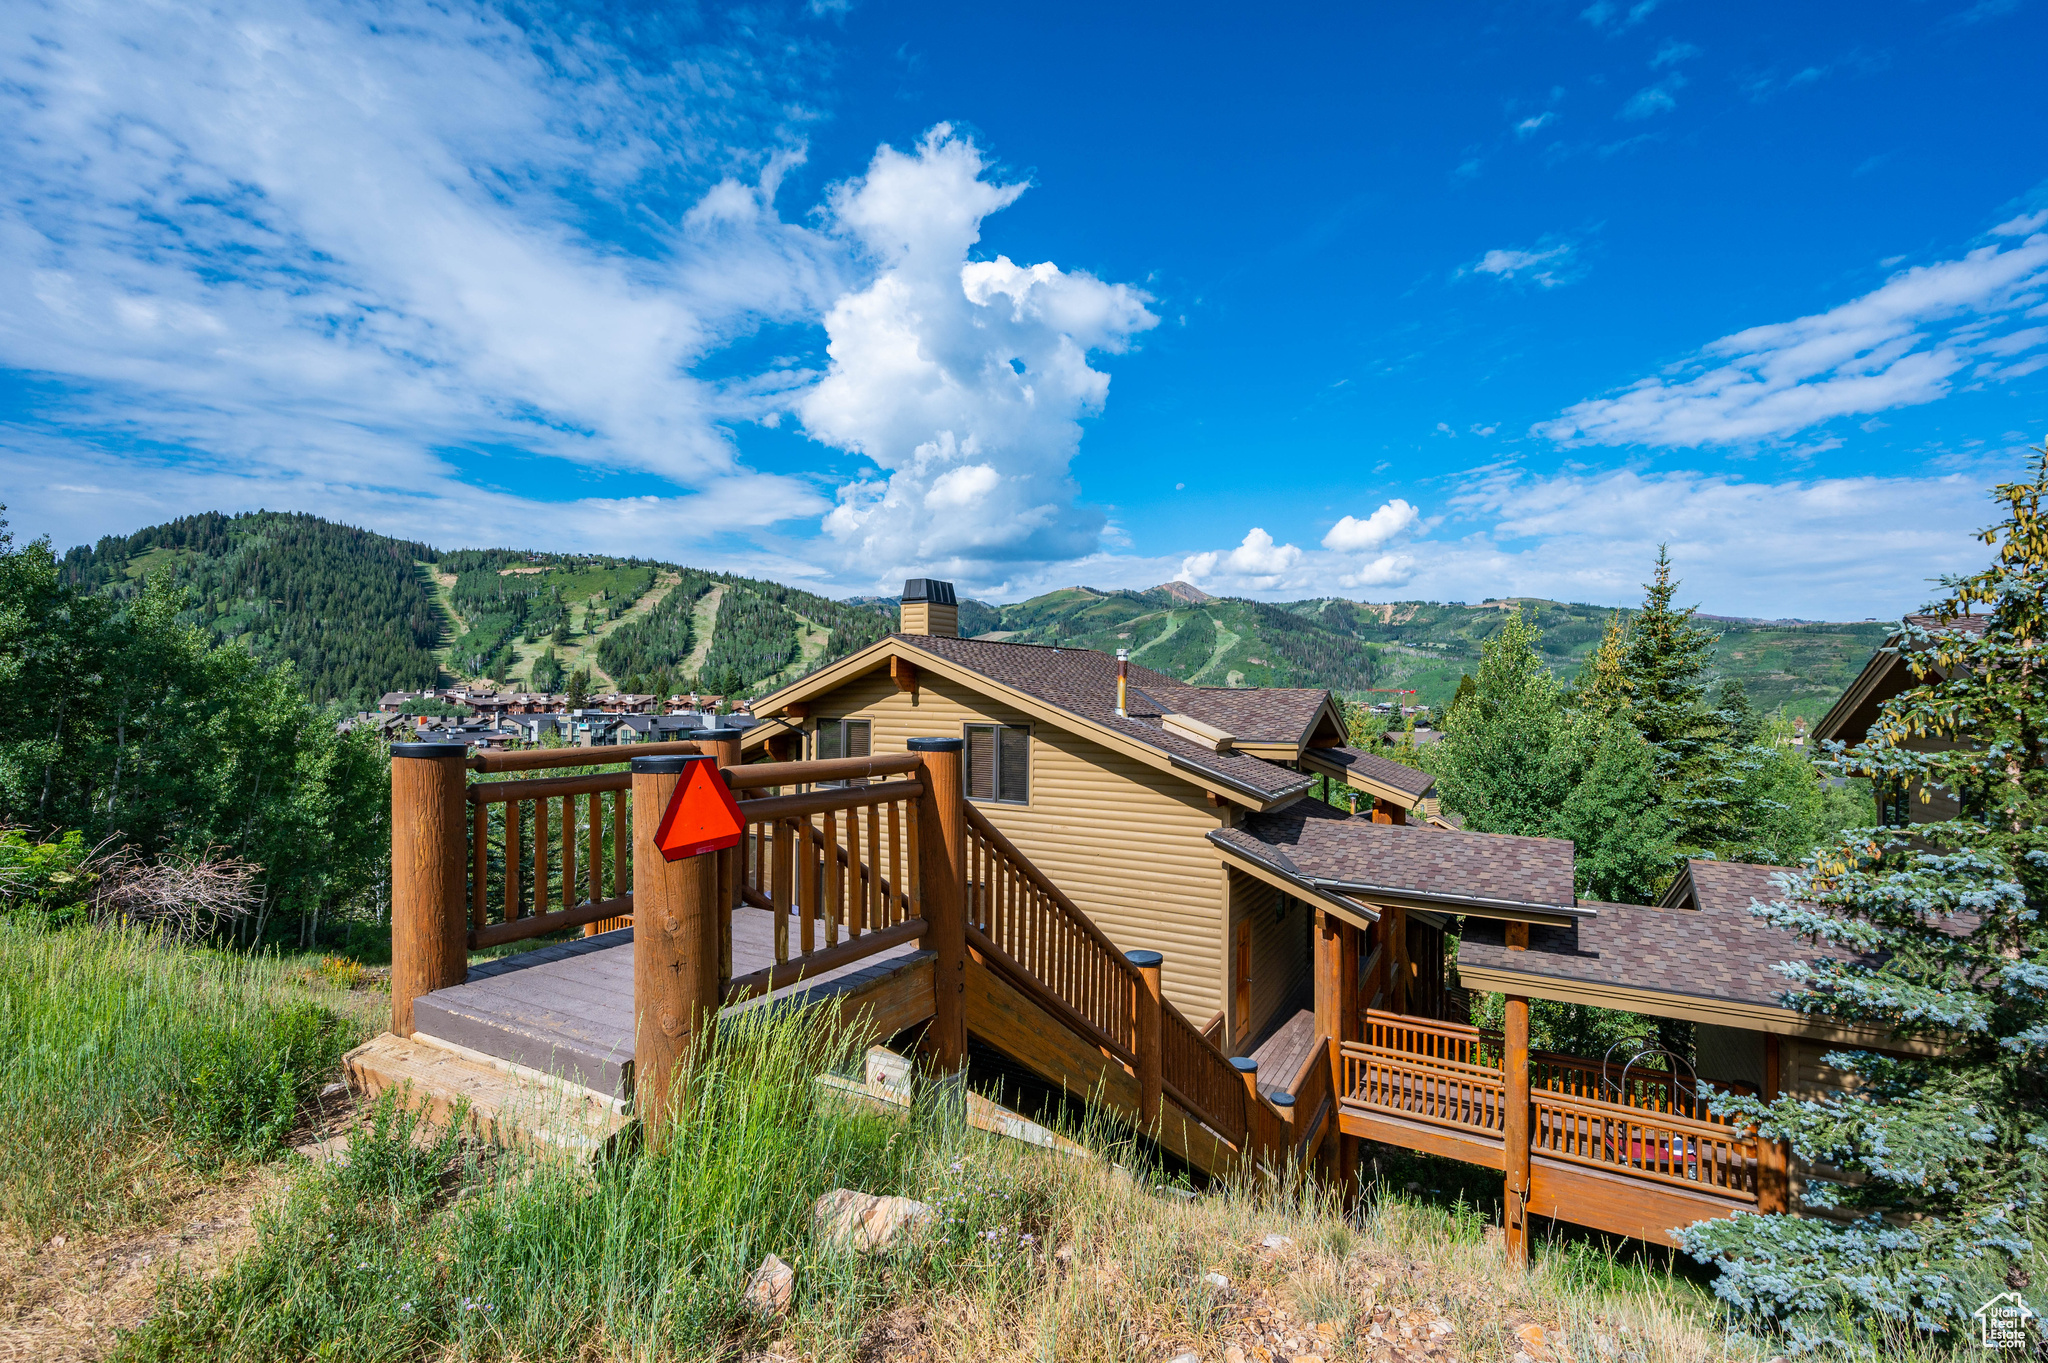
<point x="841" y="738"/>
<point x="999" y="763"/>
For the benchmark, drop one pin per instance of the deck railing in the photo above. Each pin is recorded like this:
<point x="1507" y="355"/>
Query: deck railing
<point x="1026" y="928"/>
<point x="837" y="861"/>
<point x="1663" y="1148"/>
<point x="1424" y="1087"/>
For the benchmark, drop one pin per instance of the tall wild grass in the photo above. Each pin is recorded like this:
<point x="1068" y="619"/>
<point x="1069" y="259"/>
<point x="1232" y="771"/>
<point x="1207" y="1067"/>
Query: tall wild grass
<point x="130" y="1064"/>
<point x="415" y="1249"/>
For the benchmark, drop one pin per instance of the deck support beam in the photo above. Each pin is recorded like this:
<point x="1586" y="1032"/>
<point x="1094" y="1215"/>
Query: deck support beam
<point x="676" y="948"/>
<point x="942" y="878"/>
<point x="429" y="909"/>
<point x="1515" y="1129"/>
<point x="1337" y="1008"/>
<point x="1773" y="1158"/>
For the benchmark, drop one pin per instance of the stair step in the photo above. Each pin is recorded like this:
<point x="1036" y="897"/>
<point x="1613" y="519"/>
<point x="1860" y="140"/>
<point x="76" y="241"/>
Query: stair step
<point x="508" y="1104"/>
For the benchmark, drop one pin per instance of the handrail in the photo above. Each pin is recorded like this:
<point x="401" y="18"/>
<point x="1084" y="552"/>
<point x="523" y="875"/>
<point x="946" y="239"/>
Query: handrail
<point x="534" y="759"/>
<point x="1636" y="1143"/>
<point x="1046" y="998"/>
<point x="518" y="929"/>
<point x="980" y="824"/>
<point x="760" y="775"/>
<point x="547" y="787"/>
<point x="1363" y="1050"/>
<point x="771" y="807"/>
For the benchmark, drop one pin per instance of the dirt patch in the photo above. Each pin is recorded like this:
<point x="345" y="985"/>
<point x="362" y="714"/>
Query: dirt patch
<point x="68" y="1297"/>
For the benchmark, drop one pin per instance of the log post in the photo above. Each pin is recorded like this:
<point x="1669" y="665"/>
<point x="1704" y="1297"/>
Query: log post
<point x="1258" y="1138"/>
<point x="1773" y="1158"/>
<point x="941" y="876"/>
<point x="429" y="911"/>
<point x="1350" y="1027"/>
<point x="675" y="948"/>
<point x="1515" y="1129"/>
<point x="1150" y="1038"/>
<point x="1394" y="958"/>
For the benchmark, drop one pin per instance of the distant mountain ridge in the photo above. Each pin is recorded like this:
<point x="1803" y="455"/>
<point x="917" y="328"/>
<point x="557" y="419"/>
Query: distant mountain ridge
<point x="360" y="613"/>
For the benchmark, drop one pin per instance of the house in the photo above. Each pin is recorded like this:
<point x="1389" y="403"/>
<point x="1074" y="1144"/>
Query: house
<point x="1887" y="675"/>
<point x="1116" y="781"/>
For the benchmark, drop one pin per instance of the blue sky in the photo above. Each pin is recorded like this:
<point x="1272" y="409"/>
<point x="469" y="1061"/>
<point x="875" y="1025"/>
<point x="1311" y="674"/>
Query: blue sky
<point x="1445" y="302"/>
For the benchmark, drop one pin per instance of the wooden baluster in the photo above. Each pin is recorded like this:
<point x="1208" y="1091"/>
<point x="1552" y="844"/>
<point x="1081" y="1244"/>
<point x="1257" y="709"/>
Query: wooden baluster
<point x="779" y="873"/>
<point x="540" y="857"/>
<point x="621" y="841"/>
<point x="515" y="821"/>
<point x="871" y="888"/>
<point x="807" y="886"/>
<point x="480" y="859"/>
<point x="834" y="884"/>
<point x="568" y="851"/>
<point x="593" y="817"/>
<point x="913" y="867"/>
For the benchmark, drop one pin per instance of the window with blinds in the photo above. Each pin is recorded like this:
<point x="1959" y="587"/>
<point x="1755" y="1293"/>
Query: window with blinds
<point x="841" y="738"/>
<point x="999" y="763"/>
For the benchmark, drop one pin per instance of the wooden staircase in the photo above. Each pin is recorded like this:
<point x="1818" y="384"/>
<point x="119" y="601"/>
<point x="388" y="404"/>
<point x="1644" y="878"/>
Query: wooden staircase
<point x="869" y="882"/>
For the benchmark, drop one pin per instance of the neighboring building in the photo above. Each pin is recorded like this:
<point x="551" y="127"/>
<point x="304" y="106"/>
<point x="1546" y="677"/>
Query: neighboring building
<point x="1887" y="675"/>
<point x="1118" y="809"/>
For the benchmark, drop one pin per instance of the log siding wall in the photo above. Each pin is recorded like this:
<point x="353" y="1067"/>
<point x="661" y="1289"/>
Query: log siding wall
<point x="1281" y="955"/>
<point x="1125" y="842"/>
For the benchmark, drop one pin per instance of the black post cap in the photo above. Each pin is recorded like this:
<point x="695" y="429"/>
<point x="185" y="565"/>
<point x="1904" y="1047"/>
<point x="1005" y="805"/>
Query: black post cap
<point x="1280" y="1099"/>
<point x="1141" y="959"/>
<point x="429" y="749"/>
<point x="668" y="766"/>
<point x="1244" y="1064"/>
<point x="936" y="744"/>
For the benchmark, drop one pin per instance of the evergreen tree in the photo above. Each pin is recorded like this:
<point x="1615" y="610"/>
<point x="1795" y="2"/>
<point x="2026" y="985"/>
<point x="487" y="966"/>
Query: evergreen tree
<point x="1493" y="765"/>
<point x="579" y="688"/>
<point x="1945" y="1153"/>
<point x="547" y="671"/>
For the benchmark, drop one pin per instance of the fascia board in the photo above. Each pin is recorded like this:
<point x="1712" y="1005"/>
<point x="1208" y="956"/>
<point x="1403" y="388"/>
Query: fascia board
<point x="1506" y="911"/>
<point x="867" y="659"/>
<point x="1357" y="914"/>
<point x="1685" y="1007"/>
<point x="1379" y="790"/>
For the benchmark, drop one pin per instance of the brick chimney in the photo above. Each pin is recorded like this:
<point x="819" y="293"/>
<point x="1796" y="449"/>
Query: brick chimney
<point x="929" y="607"/>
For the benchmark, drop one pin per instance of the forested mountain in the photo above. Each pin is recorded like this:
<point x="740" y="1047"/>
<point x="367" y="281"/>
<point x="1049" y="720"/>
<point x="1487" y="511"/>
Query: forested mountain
<point x="348" y="607"/>
<point x="1418" y="646"/>
<point x="361" y="614"/>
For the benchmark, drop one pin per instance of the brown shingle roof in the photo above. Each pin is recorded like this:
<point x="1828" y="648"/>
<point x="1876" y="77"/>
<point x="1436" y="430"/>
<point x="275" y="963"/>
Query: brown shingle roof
<point x="1311" y="842"/>
<point x="1717" y="951"/>
<point x="1082" y="682"/>
<point x="1263" y="714"/>
<point x="1380" y="769"/>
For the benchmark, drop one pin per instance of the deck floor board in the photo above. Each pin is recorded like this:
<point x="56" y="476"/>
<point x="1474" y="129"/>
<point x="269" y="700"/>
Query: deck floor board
<point x="567" y="1009"/>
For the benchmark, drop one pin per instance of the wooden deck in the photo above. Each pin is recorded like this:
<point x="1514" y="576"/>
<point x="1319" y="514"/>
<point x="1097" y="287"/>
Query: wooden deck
<point x="567" y="1009"/>
<point x="1281" y="1054"/>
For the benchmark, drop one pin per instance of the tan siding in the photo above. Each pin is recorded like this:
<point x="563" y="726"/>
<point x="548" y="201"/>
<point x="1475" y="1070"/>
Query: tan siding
<point x="1730" y="1053"/>
<point x="1280" y="955"/>
<point x="1803" y="1073"/>
<point x="1125" y="842"/>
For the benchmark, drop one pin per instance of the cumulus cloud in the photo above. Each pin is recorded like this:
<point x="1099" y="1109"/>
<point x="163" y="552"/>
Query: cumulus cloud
<point x="963" y="381"/>
<point x="1535" y="123"/>
<point x="1900" y="345"/>
<point x="1545" y="266"/>
<point x="1352" y="535"/>
<point x="1257" y="564"/>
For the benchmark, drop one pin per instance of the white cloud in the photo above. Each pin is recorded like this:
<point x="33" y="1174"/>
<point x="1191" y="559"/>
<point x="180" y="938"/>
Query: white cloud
<point x="1653" y="99"/>
<point x="1535" y="123"/>
<point x="1353" y="536"/>
<point x="1257" y="564"/>
<point x="2023" y="225"/>
<point x="1602" y="12"/>
<point x="1900" y="345"/>
<point x="1546" y="267"/>
<point x="328" y="256"/>
<point x="1673" y="52"/>
<point x="964" y="381"/>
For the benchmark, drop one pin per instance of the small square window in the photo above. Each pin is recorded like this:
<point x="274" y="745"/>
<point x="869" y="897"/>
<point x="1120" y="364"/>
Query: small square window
<point x="841" y="738"/>
<point x="999" y="763"/>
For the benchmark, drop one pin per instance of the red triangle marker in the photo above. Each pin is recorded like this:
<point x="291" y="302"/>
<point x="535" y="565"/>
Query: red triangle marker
<point x="701" y="816"/>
